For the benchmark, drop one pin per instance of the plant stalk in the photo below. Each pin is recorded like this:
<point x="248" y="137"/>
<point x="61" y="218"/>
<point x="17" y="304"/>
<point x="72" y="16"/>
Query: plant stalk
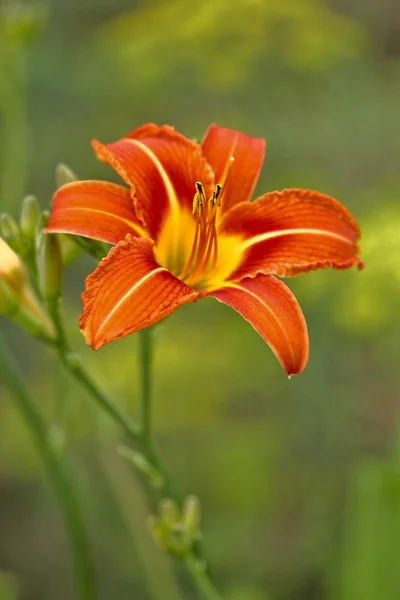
<point x="58" y="476"/>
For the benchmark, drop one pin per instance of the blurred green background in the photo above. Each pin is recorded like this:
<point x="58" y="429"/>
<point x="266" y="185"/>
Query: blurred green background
<point x="299" y="480"/>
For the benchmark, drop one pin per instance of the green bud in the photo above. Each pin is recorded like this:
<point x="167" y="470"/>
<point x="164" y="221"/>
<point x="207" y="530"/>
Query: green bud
<point x="43" y="220"/>
<point x="93" y="247"/>
<point x="175" y="532"/>
<point x="175" y="539"/>
<point x="10" y="231"/>
<point x="169" y="512"/>
<point x="178" y="539"/>
<point x="30" y="217"/>
<point x="192" y="516"/>
<point x="64" y="175"/>
<point x="9" y="301"/>
<point x="50" y="266"/>
<point x="69" y="248"/>
<point x="158" y="530"/>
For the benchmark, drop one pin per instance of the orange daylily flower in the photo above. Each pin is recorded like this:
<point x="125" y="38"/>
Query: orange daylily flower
<point x="185" y="228"/>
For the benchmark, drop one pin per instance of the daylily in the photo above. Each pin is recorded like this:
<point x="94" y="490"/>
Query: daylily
<point x="185" y="229"/>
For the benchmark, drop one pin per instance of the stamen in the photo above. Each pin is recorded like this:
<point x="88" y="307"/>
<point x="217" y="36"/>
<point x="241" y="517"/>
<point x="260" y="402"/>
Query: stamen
<point x="215" y="195"/>
<point x="198" y="201"/>
<point x="225" y="176"/>
<point x="203" y="256"/>
<point x="192" y="255"/>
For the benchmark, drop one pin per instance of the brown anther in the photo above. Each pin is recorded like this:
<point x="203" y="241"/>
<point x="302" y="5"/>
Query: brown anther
<point x="215" y="195"/>
<point x="200" y="191"/>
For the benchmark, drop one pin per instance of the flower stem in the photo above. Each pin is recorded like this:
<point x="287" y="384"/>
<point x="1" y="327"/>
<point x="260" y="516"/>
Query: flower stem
<point x="192" y="563"/>
<point x="58" y="477"/>
<point x="201" y="579"/>
<point x="146" y="363"/>
<point x="140" y="437"/>
<point x="72" y="363"/>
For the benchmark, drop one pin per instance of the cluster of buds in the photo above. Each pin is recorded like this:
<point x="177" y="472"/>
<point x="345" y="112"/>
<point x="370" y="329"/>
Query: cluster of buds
<point x="177" y="531"/>
<point x="31" y="266"/>
<point x="24" y="256"/>
<point x="31" y="263"/>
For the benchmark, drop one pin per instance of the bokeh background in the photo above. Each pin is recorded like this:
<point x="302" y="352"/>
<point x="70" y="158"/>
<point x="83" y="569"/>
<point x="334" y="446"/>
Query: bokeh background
<point x="299" y="480"/>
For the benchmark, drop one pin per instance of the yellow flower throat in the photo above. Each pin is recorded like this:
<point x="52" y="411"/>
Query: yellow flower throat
<point x="195" y="258"/>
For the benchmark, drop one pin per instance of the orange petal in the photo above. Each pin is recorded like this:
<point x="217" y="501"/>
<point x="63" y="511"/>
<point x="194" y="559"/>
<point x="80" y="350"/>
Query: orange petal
<point x="271" y="308"/>
<point x="129" y="291"/>
<point x="163" y="166"/>
<point x="291" y="232"/>
<point x="219" y="145"/>
<point x="95" y="209"/>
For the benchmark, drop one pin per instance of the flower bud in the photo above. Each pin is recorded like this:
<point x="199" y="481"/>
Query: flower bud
<point x="158" y="530"/>
<point x="12" y="270"/>
<point x="50" y="266"/>
<point x="178" y="539"/>
<point x="8" y="299"/>
<point x="30" y="217"/>
<point x="192" y="516"/>
<point x="177" y="532"/>
<point x="169" y="512"/>
<point x="64" y="175"/>
<point x="69" y="249"/>
<point x="175" y="539"/>
<point x="93" y="247"/>
<point x="10" y="232"/>
<point x="17" y="299"/>
<point x="43" y="220"/>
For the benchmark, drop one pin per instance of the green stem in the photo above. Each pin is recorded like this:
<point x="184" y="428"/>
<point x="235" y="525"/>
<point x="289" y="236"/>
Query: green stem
<point x="146" y="363"/>
<point x="139" y="437"/>
<point x="201" y="579"/>
<point x="72" y="363"/>
<point x="198" y="573"/>
<point x="58" y="476"/>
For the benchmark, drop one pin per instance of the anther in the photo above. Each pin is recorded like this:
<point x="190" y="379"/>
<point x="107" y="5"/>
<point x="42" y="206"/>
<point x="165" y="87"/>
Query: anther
<point x="215" y="195"/>
<point x="200" y="191"/>
<point x="199" y="201"/>
<point x="197" y="206"/>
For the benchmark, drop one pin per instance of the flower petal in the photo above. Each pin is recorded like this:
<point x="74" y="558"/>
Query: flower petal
<point x="271" y="308"/>
<point x="219" y="145"/>
<point x="129" y="291"/>
<point x="163" y="166"/>
<point x="291" y="232"/>
<point x="95" y="209"/>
